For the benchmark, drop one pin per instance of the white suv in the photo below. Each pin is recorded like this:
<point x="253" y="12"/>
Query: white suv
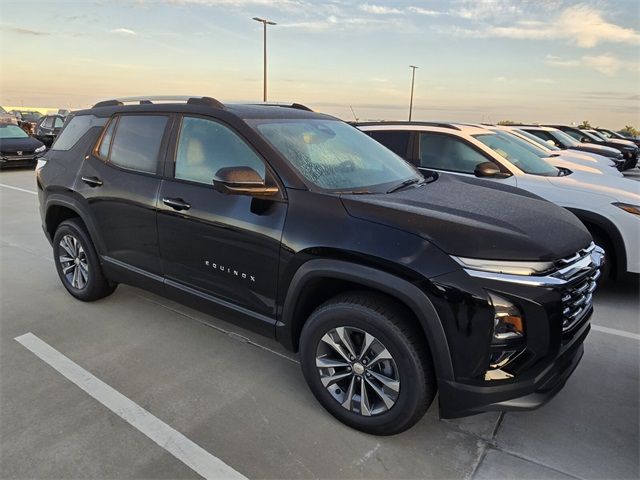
<point x="571" y="159"/>
<point x="608" y="206"/>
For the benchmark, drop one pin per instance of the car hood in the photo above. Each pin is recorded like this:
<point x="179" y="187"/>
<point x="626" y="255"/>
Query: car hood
<point x="477" y="219"/>
<point x="615" y="189"/>
<point x="12" y="145"/>
<point x="591" y="147"/>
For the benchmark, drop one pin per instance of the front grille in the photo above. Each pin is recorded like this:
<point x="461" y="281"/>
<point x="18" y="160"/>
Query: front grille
<point x="576" y="301"/>
<point x="21" y="158"/>
<point x="582" y="276"/>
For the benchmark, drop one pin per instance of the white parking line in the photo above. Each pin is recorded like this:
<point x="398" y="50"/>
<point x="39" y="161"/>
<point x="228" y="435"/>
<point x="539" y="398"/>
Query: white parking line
<point x="615" y="331"/>
<point x="192" y="455"/>
<point x="18" y="189"/>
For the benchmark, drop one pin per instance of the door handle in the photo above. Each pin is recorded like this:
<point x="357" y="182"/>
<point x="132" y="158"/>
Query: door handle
<point x="176" y="203"/>
<point x="92" y="181"/>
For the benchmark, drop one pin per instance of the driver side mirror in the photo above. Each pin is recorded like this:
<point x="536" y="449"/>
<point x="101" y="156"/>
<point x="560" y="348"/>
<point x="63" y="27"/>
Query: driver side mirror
<point x="242" y="181"/>
<point x="489" y="170"/>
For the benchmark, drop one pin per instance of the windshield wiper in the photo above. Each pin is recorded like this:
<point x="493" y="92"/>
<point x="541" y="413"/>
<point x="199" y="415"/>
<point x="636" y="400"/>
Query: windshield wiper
<point x="406" y="183"/>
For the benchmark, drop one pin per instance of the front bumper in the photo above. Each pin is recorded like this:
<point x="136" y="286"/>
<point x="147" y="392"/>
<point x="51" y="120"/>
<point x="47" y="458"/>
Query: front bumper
<point x="556" y="309"/>
<point x="28" y="160"/>
<point x="528" y="393"/>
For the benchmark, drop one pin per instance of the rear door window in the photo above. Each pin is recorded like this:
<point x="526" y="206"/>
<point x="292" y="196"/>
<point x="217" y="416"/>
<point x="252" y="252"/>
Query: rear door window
<point x="136" y="143"/>
<point x="58" y="122"/>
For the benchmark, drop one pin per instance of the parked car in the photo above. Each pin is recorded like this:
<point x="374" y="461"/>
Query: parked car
<point x="615" y="135"/>
<point x="609" y="207"/>
<point x="297" y="225"/>
<point x="17" y="149"/>
<point x="629" y="149"/>
<point x="48" y="127"/>
<point x="26" y="119"/>
<point x="579" y="155"/>
<point x="559" y="139"/>
<point x="579" y="162"/>
<point x="6" y="117"/>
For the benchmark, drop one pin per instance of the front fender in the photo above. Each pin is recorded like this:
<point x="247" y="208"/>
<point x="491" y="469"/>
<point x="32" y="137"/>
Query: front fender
<point x="396" y="287"/>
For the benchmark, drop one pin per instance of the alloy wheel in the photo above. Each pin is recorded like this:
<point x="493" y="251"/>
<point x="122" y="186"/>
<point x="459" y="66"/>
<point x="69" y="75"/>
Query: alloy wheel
<point x="358" y="371"/>
<point x="73" y="260"/>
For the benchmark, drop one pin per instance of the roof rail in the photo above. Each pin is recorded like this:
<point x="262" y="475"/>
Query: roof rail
<point x="297" y="106"/>
<point x="417" y="124"/>
<point x="151" y="99"/>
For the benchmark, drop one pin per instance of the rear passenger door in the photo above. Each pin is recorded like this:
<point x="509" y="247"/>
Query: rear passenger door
<point x="119" y="181"/>
<point x="225" y="246"/>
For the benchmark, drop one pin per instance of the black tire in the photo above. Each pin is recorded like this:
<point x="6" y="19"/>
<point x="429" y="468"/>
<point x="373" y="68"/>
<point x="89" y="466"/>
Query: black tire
<point x="390" y="323"/>
<point x="91" y="284"/>
<point x="607" y="271"/>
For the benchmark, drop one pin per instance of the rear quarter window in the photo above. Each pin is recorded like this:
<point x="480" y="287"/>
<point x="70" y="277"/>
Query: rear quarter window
<point x="75" y="130"/>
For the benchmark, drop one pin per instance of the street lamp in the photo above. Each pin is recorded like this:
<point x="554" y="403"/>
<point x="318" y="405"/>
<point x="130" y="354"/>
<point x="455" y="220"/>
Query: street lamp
<point x="413" y="78"/>
<point x="264" y="22"/>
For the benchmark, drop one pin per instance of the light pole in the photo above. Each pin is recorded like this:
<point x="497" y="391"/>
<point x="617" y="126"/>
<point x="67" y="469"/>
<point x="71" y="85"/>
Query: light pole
<point x="413" y="78"/>
<point x="264" y="22"/>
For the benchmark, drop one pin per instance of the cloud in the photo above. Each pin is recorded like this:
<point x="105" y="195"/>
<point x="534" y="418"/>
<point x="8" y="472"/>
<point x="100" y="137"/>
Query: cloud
<point x="423" y="11"/>
<point x="607" y="64"/>
<point x="379" y="10"/>
<point x="124" y="31"/>
<point x="25" y="31"/>
<point x="580" y="25"/>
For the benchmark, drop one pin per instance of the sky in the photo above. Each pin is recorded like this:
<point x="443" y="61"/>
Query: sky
<point x="479" y="60"/>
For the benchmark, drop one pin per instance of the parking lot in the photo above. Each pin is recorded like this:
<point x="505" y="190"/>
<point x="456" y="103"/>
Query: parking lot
<point x="242" y="398"/>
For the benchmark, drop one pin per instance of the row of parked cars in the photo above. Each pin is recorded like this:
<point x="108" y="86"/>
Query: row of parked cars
<point x="399" y="259"/>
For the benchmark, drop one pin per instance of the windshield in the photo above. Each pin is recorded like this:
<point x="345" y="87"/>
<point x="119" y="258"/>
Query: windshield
<point x="563" y="138"/>
<point x="516" y="154"/>
<point x="30" y="116"/>
<point x="336" y="156"/>
<point x="12" y="131"/>
<point x="539" y="152"/>
<point x="538" y="141"/>
<point x="599" y="135"/>
<point x="606" y="133"/>
<point x="591" y="136"/>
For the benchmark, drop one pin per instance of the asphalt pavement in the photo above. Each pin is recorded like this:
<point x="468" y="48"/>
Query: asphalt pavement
<point x="212" y="392"/>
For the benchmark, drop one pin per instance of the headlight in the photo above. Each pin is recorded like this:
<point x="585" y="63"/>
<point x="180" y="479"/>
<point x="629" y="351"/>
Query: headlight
<point x="507" y="322"/>
<point x="501" y="266"/>
<point x="627" y="207"/>
<point x="40" y="149"/>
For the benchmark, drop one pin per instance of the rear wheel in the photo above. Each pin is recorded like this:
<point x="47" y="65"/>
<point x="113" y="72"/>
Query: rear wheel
<point x="367" y="363"/>
<point x="77" y="262"/>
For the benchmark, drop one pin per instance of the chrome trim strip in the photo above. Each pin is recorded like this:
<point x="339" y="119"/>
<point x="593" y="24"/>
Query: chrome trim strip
<point x="558" y="278"/>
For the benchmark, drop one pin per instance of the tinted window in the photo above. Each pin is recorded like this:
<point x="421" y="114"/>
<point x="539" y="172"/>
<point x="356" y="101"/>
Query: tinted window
<point x="396" y="141"/>
<point x="334" y="155"/>
<point x="58" y="123"/>
<point x="545" y="136"/>
<point x="47" y="122"/>
<point x="446" y="152"/>
<point x="205" y="146"/>
<point x="103" y="151"/>
<point x="136" y="144"/>
<point x="75" y="129"/>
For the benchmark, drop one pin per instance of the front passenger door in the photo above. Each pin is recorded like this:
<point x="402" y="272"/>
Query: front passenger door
<point x="440" y="151"/>
<point x="225" y="246"/>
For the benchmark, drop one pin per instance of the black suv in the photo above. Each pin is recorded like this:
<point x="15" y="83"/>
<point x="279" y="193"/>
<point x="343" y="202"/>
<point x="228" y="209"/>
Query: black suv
<point x="297" y="225"/>
<point x="48" y="128"/>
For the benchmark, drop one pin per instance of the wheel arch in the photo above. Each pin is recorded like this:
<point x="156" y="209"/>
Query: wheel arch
<point x="59" y="209"/>
<point x="318" y="280"/>
<point x="596" y="222"/>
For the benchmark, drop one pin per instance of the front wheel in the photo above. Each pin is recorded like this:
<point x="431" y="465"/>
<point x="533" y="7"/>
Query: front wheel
<point x="367" y="363"/>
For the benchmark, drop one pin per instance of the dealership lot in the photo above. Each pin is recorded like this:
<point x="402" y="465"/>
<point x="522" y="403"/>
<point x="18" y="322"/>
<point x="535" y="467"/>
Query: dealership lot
<point x="242" y="398"/>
